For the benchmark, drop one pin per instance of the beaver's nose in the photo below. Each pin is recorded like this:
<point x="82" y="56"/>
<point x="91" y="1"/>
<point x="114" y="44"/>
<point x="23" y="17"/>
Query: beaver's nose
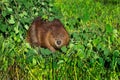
<point x="58" y="42"/>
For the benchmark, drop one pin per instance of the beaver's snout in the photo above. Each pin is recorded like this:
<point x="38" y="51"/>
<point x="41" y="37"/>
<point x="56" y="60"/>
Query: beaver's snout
<point x="58" y="42"/>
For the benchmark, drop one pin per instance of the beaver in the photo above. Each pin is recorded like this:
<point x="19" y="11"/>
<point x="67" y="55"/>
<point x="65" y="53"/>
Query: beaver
<point x="47" y="34"/>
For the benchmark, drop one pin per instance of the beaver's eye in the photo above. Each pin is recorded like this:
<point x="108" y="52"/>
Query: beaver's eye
<point x="57" y="33"/>
<point x="53" y="34"/>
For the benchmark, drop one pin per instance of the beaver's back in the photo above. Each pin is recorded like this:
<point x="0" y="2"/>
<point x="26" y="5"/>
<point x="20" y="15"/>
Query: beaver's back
<point x="47" y="34"/>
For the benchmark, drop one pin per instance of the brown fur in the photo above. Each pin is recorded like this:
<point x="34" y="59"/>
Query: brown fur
<point x="51" y="35"/>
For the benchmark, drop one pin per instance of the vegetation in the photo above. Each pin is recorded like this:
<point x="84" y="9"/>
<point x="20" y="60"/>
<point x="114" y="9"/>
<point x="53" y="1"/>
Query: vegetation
<point x="92" y="54"/>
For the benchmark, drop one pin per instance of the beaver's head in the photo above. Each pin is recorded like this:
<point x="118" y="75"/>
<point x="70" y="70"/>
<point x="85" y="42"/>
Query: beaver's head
<point x="59" y="36"/>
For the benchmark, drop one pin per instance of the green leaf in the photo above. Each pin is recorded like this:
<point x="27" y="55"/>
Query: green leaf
<point x="45" y="51"/>
<point x="16" y="28"/>
<point x="54" y="65"/>
<point x="64" y="49"/>
<point x="34" y="61"/>
<point x="26" y="27"/>
<point x="101" y="61"/>
<point x="60" y="62"/>
<point x="106" y="52"/>
<point x="4" y="13"/>
<point x="11" y="20"/>
<point x="116" y="53"/>
<point x="109" y="29"/>
<point x="9" y="10"/>
<point x="24" y="13"/>
<point x="3" y="28"/>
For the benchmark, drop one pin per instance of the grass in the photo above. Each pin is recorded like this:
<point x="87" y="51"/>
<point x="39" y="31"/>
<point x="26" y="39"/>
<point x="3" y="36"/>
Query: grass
<point x="92" y="54"/>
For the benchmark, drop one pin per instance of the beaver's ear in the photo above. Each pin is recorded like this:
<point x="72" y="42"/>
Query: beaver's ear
<point x="56" y="21"/>
<point x="51" y="28"/>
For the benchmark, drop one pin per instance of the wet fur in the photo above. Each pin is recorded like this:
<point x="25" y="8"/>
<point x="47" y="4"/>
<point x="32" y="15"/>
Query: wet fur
<point x="51" y="35"/>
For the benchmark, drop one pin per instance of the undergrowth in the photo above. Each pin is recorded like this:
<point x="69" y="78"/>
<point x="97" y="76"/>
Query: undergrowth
<point x="92" y="54"/>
